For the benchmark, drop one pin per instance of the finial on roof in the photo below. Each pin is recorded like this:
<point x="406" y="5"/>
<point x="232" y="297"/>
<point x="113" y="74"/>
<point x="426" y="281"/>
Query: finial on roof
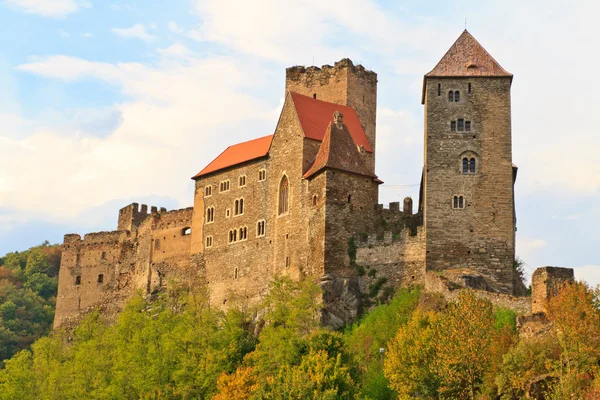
<point x="338" y="119"/>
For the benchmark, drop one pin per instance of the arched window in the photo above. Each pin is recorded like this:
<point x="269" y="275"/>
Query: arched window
<point x="451" y="96"/>
<point x="236" y="208"/>
<point x="241" y="206"/>
<point x="465" y="165"/>
<point x="210" y="214"/>
<point x="472" y="165"/>
<point x="456" y="96"/>
<point x="284" y="192"/>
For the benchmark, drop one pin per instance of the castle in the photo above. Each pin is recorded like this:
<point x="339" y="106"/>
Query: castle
<point x="304" y="201"/>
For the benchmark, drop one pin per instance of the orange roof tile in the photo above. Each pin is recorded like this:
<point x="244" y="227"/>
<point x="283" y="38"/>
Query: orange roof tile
<point x="338" y="151"/>
<point x="237" y="154"/>
<point x="466" y="57"/>
<point x="315" y="116"/>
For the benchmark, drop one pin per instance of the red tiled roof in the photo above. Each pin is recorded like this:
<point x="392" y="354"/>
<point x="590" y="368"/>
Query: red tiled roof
<point x="466" y="57"/>
<point x="315" y="115"/>
<point x="338" y="151"/>
<point x="237" y="154"/>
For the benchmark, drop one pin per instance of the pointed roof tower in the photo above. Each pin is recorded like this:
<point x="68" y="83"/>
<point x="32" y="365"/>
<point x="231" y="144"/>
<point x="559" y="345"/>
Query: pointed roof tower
<point x="466" y="57"/>
<point x="338" y="151"/>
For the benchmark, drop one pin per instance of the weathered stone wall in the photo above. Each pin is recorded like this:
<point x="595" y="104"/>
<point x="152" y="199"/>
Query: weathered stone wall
<point x="547" y="282"/>
<point x="107" y="267"/>
<point x="482" y="235"/>
<point x="398" y="257"/>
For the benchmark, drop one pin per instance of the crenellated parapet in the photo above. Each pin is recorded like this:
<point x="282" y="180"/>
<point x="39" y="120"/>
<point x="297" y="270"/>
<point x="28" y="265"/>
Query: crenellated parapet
<point x="132" y="216"/>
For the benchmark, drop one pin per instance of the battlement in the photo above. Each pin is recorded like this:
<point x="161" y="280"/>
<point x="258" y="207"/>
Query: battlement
<point x="546" y="282"/>
<point x="131" y="216"/>
<point x="300" y="72"/>
<point x="406" y="235"/>
<point x="394" y="207"/>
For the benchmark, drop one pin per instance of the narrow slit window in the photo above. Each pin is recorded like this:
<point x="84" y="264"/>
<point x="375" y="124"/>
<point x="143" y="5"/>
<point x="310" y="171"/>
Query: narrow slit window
<point x="439" y="89"/>
<point x="451" y="96"/>
<point x="284" y="189"/>
<point x="260" y="228"/>
<point x="78" y="280"/>
<point x="100" y="278"/>
<point x="469" y="88"/>
<point x="461" y="202"/>
<point x="235" y="273"/>
<point x="456" y="96"/>
<point x="465" y="165"/>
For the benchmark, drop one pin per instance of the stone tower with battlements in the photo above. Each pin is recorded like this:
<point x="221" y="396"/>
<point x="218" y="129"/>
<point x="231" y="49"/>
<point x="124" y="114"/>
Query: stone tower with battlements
<point x="344" y="83"/>
<point x="469" y="214"/>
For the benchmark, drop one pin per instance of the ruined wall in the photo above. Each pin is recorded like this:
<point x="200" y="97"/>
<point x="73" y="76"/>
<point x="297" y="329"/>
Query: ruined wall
<point x="107" y="267"/>
<point x="345" y="84"/>
<point x="480" y="236"/>
<point x="547" y="282"/>
<point x="399" y="258"/>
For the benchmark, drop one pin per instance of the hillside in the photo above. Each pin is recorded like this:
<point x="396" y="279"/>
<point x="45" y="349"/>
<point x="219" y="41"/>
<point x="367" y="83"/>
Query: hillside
<point x="175" y="346"/>
<point x="28" y="283"/>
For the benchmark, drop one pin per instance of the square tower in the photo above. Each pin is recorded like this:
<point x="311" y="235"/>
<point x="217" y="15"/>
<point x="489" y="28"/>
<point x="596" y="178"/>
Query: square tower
<point x="468" y="181"/>
<point x="344" y="84"/>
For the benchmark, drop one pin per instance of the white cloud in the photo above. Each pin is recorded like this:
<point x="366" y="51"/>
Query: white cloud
<point x="137" y="31"/>
<point x="87" y="35"/>
<point x="173" y="27"/>
<point x="175" y="50"/>
<point x="49" y="8"/>
<point x="175" y="122"/>
<point x="588" y="273"/>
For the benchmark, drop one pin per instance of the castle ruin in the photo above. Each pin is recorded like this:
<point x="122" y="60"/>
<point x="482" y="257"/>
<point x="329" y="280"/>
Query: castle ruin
<point x="304" y="200"/>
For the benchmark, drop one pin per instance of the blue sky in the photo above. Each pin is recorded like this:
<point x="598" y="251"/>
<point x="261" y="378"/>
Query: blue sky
<point x="104" y="103"/>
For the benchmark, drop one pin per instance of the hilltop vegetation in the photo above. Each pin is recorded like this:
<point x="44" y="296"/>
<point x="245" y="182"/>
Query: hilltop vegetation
<point x="177" y="347"/>
<point x="28" y="283"/>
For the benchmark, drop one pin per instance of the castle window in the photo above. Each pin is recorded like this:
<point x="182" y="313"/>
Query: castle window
<point x="228" y="212"/>
<point x="100" y="278"/>
<point x="314" y="95"/>
<point x="467" y="126"/>
<point x="238" y="208"/>
<point x="453" y="126"/>
<point x="209" y="241"/>
<point x="208" y="191"/>
<point x="243" y="233"/>
<point x="284" y="190"/>
<point x="456" y="96"/>
<point x="465" y="165"/>
<point x="315" y="200"/>
<point x="103" y="256"/>
<point x="458" y="202"/>
<point x="439" y="89"/>
<point x="242" y="181"/>
<point x="349" y="198"/>
<point x="472" y="165"/>
<point x="260" y="228"/>
<point x="451" y="96"/>
<point x="232" y="236"/>
<point x="262" y="175"/>
<point x="235" y="273"/>
<point x="469" y="88"/>
<point x="78" y="280"/>
<point x="287" y="262"/>
<point x="186" y="231"/>
<point x="224" y="186"/>
<point x="210" y="215"/>
<point x="461" y="125"/>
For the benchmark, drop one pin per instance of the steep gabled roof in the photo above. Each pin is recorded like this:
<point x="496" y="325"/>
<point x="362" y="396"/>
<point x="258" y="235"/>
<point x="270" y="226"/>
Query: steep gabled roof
<point x="338" y="151"/>
<point x="237" y="154"/>
<point x="315" y="116"/>
<point x="466" y="57"/>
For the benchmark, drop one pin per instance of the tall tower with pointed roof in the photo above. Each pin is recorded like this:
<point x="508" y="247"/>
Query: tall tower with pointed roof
<point x="468" y="194"/>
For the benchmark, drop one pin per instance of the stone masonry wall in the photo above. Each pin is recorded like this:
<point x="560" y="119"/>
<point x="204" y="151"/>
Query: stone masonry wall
<point x="545" y="283"/>
<point x="482" y="235"/>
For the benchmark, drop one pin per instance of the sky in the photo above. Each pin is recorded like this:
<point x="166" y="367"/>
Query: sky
<point x="104" y="103"/>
